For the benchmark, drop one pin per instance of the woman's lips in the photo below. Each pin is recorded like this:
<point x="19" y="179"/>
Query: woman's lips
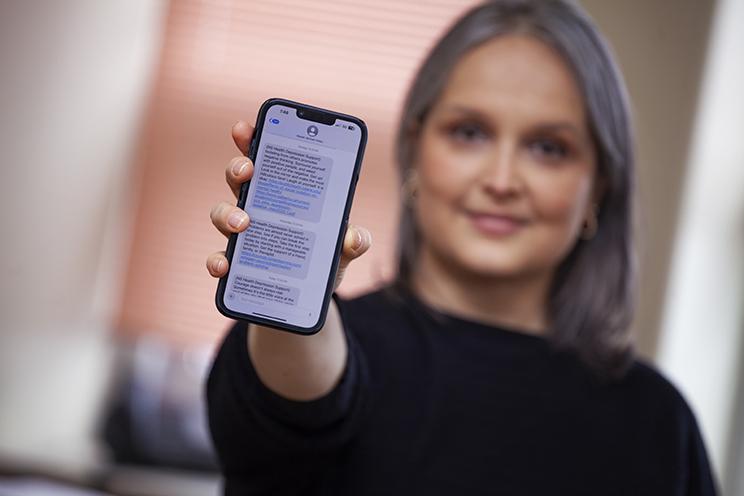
<point x="496" y="225"/>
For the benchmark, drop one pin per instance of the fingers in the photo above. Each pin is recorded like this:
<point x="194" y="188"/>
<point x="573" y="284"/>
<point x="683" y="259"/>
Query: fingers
<point x="217" y="264"/>
<point x="242" y="132"/>
<point x="228" y="218"/>
<point x="238" y="171"/>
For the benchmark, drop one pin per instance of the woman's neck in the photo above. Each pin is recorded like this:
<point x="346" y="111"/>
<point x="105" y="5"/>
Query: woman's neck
<point x="516" y="302"/>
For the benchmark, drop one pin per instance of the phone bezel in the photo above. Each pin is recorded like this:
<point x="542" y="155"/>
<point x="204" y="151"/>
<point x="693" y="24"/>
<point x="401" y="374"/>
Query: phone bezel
<point x="229" y="252"/>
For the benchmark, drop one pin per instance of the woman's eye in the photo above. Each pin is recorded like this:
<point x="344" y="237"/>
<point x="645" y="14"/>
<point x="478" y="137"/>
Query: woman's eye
<point x="467" y="133"/>
<point x="549" y="149"/>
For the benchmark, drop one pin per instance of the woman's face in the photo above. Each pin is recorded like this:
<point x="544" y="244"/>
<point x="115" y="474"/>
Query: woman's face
<point x="505" y="165"/>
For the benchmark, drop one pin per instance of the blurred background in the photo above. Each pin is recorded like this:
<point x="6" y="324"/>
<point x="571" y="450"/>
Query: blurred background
<point x="114" y="136"/>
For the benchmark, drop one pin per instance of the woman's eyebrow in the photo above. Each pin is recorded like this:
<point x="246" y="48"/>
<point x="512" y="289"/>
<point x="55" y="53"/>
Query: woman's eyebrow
<point x="461" y="109"/>
<point x="559" y="126"/>
<point x="541" y="126"/>
<point x="548" y="126"/>
<point x="570" y="127"/>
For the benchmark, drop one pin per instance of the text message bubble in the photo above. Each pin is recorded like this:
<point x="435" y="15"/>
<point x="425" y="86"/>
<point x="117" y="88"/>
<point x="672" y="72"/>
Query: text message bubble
<point x="277" y="248"/>
<point x="291" y="182"/>
<point x="265" y="290"/>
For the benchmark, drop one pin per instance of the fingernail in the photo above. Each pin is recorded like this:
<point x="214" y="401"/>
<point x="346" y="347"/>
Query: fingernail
<point x="239" y="168"/>
<point x="217" y="265"/>
<point x="236" y="219"/>
<point x="357" y="240"/>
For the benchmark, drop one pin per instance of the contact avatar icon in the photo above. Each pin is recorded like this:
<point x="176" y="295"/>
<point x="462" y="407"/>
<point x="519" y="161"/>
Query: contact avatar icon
<point x="312" y="131"/>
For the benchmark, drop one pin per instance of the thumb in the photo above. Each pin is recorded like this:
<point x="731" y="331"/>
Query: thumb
<point x="356" y="242"/>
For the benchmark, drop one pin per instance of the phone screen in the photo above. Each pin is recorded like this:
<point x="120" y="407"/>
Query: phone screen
<point x="296" y="201"/>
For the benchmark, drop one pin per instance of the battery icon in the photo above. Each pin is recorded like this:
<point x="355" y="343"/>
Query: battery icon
<point x="351" y="128"/>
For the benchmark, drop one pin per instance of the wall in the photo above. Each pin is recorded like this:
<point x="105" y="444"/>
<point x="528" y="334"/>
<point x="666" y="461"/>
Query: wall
<point x="702" y="343"/>
<point x="661" y="46"/>
<point x="74" y="79"/>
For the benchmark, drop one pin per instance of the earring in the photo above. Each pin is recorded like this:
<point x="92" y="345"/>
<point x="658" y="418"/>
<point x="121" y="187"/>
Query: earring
<point x="590" y="224"/>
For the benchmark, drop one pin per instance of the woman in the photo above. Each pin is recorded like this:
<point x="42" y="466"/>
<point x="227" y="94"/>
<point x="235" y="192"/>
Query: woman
<point x="499" y="361"/>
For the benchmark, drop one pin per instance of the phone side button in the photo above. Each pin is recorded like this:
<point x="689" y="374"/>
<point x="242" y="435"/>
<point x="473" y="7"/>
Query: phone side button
<point x="251" y="147"/>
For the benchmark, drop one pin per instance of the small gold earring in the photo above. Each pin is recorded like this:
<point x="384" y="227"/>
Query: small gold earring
<point x="590" y="224"/>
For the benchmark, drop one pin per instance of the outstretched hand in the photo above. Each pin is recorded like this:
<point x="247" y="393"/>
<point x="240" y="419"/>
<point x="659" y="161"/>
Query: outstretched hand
<point x="229" y="219"/>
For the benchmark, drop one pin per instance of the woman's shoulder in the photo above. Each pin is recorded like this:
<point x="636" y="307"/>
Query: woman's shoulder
<point x="648" y="384"/>
<point x="387" y="319"/>
<point x="382" y="304"/>
<point x="662" y="408"/>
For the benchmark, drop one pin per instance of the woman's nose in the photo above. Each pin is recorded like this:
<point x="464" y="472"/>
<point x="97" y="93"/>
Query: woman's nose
<point x="501" y="174"/>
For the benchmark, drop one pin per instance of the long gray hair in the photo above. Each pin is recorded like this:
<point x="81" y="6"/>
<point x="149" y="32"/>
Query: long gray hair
<point x="592" y="297"/>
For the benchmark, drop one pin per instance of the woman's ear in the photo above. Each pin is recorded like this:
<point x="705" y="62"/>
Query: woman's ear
<point x="410" y="185"/>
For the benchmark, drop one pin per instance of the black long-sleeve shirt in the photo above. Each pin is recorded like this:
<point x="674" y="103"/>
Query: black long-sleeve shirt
<point x="434" y="404"/>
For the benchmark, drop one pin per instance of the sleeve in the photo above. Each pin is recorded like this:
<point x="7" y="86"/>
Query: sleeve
<point x="268" y="444"/>
<point x="700" y="480"/>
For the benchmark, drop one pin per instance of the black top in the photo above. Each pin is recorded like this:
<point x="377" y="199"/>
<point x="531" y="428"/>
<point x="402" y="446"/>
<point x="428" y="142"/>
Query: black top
<point x="435" y="404"/>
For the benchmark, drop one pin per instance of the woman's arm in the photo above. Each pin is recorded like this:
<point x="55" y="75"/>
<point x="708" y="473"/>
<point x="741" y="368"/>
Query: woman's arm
<point x="300" y="367"/>
<point x="265" y="442"/>
<point x="293" y="366"/>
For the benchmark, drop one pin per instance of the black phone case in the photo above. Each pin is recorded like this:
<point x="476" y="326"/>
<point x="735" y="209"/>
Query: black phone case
<point x="328" y="291"/>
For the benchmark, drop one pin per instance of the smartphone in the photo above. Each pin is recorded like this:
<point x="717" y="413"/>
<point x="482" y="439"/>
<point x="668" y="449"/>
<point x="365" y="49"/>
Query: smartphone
<point x="283" y="266"/>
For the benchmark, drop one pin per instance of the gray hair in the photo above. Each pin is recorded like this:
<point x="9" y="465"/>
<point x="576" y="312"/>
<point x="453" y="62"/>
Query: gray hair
<point x="592" y="297"/>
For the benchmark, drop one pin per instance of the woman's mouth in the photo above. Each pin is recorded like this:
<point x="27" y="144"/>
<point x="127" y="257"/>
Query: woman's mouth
<point x="496" y="224"/>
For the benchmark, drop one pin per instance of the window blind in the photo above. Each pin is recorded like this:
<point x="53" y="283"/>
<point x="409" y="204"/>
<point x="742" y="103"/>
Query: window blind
<point x="220" y="59"/>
